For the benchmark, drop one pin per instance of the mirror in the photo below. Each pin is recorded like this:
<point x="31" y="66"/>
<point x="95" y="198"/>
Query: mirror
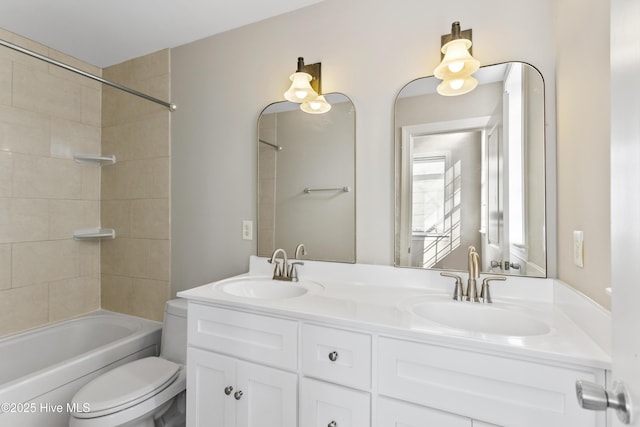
<point x="470" y="171"/>
<point x="306" y="180"/>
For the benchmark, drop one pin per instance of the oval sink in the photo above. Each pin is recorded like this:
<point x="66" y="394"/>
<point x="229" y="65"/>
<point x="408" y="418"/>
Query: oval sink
<point x="266" y="288"/>
<point x="484" y="318"/>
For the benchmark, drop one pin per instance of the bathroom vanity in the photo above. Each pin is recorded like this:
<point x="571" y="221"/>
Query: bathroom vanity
<point x="355" y="345"/>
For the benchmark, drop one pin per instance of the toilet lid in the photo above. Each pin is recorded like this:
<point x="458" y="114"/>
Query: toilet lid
<point x="126" y="385"/>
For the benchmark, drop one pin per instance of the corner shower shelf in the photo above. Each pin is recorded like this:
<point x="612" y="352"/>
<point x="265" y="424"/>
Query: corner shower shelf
<point x="105" y="159"/>
<point x="94" y="234"/>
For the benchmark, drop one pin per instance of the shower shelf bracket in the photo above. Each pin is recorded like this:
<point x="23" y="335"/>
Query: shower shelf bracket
<point x="102" y="159"/>
<point x="94" y="234"/>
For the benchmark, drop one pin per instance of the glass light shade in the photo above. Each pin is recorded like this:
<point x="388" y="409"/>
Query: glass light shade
<point x="457" y="61"/>
<point x="317" y="106"/>
<point x="300" y="89"/>
<point x="454" y="87"/>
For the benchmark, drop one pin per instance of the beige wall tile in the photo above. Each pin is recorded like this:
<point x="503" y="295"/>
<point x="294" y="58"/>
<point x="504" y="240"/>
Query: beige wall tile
<point x="65" y="216"/>
<point x="116" y="293"/>
<point x="160" y="178"/>
<point x="42" y="262"/>
<point x="143" y="139"/>
<point x="117" y="214"/>
<point x="15" y="56"/>
<point x="23" y="220"/>
<point x="150" y="218"/>
<point x="69" y="137"/>
<point x="148" y="298"/>
<point x="6" y="82"/>
<point x="127" y="180"/>
<point x="142" y="68"/>
<point x="71" y="76"/>
<point x="68" y="298"/>
<point x="92" y="106"/>
<point x="24" y="131"/>
<point x="44" y="177"/>
<point x="89" y="251"/>
<point x="135" y="191"/>
<point x="160" y="260"/>
<point x="39" y="91"/>
<point x="6" y="174"/>
<point x="23" y="308"/>
<point x="125" y="257"/>
<point x="91" y="182"/>
<point x="5" y="267"/>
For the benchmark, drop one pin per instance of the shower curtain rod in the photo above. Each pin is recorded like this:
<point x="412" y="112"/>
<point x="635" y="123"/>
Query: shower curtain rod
<point x="170" y="106"/>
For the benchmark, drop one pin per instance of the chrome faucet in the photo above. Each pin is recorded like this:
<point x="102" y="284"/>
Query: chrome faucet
<point x="287" y="271"/>
<point x="280" y="272"/>
<point x="471" y="293"/>
<point x="300" y="249"/>
<point x="474" y="274"/>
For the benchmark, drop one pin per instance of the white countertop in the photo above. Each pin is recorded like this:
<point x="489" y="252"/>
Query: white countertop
<point x="379" y="298"/>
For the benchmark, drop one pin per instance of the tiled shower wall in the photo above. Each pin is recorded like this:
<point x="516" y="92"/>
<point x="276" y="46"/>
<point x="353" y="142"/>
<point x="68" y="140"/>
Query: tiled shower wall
<point x="46" y="115"/>
<point x="135" y="191"/>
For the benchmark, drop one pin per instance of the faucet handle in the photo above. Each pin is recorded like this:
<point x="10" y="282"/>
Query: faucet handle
<point x="293" y="271"/>
<point x="458" y="293"/>
<point x="277" y="270"/>
<point x="485" y="295"/>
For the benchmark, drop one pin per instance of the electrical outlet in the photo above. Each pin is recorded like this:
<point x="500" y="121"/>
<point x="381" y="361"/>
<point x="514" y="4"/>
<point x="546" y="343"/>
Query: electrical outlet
<point x="247" y="229"/>
<point x="578" y="248"/>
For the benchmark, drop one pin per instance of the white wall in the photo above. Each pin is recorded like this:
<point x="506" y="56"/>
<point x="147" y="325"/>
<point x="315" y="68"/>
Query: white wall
<point x="369" y="50"/>
<point x="583" y="102"/>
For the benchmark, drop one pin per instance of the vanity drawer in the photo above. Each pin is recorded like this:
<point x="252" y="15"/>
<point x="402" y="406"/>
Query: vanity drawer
<point x="322" y="404"/>
<point x="495" y="389"/>
<point x="264" y="339"/>
<point x="336" y="355"/>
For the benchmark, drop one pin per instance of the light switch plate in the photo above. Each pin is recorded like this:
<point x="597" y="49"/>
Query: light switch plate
<point x="578" y="248"/>
<point x="247" y="229"/>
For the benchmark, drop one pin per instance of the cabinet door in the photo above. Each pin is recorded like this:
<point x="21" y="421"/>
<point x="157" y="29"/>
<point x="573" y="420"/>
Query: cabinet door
<point x="323" y="404"/>
<point x="269" y="396"/>
<point x="393" y="413"/>
<point x="208" y="375"/>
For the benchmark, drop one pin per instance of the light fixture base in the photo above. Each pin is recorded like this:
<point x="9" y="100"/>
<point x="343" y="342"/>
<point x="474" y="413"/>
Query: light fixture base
<point x="456" y="34"/>
<point x="315" y="70"/>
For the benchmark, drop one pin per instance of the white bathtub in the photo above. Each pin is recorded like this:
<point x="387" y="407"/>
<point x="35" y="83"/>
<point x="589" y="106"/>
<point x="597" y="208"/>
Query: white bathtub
<point x="41" y="369"/>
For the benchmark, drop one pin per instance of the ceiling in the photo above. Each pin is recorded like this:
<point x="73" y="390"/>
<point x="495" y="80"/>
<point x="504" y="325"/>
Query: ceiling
<point x="112" y="31"/>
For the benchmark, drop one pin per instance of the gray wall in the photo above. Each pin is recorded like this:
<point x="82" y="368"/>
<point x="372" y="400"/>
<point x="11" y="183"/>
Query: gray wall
<point x="369" y="50"/>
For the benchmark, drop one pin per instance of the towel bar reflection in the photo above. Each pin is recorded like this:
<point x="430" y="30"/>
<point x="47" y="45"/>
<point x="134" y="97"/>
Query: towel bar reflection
<point x="343" y="189"/>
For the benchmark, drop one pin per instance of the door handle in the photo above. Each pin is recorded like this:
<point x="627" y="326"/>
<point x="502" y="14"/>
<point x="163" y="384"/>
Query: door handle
<point x="594" y="397"/>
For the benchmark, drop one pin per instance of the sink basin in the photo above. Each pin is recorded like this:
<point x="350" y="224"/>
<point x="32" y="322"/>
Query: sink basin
<point x="484" y="318"/>
<point x="267" y="288"/>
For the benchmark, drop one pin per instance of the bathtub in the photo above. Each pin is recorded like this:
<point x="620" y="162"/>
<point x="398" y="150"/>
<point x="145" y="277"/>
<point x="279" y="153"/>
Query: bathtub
<point x="41" y="369"/>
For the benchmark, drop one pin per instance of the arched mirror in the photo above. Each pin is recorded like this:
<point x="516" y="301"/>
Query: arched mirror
<point x="470" y="171"/>
<point x="306" y="180"/>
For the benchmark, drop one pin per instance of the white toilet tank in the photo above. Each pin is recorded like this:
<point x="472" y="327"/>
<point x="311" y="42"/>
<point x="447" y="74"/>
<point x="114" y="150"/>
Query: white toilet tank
<point x="174" y="331"/>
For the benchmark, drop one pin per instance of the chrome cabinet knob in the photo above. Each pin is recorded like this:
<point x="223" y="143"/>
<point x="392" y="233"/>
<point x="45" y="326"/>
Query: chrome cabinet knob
<point x="332" y="424"/>
<point x="594" y="397"/>
<point x="228" y="390"/>
<point x="237" y="394"/>
<point x="333" y="356"/>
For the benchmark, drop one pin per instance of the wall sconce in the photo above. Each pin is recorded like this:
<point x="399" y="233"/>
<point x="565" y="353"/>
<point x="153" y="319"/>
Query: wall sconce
<point x="306" y="88"/>
<point x="457" y="63"/>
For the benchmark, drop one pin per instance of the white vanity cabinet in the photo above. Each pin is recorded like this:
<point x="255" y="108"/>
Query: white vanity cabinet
<point x="498" y="389"/>
<point x="228" y="392"/>
<point x="284" y="368"/>
<point x="340" y="362"/>
<point x="228" y="382"/>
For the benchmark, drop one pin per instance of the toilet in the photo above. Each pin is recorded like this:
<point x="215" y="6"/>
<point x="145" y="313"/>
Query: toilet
<point x="148" y="392"/>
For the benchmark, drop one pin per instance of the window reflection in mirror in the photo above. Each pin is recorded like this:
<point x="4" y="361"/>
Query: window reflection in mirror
<point x="470" y="171"/>
<point x="306" y="180"/>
